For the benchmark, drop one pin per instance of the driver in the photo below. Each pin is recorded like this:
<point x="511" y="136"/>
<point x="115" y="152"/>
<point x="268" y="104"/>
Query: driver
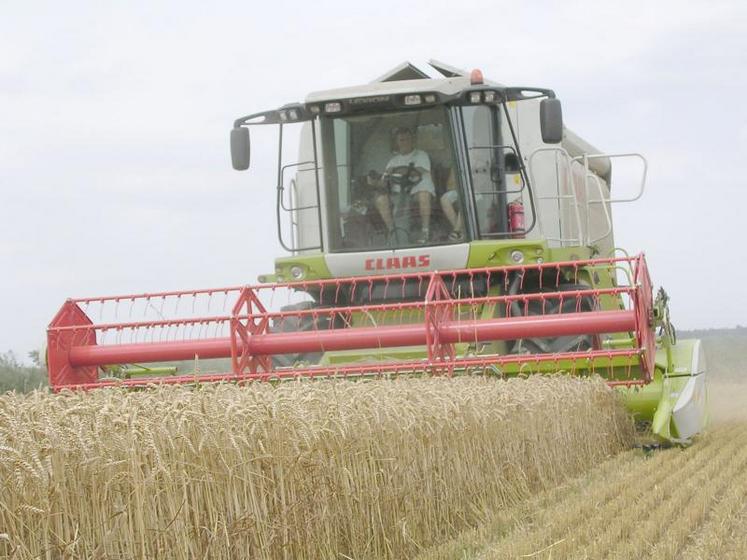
<point x="419" y="176"/>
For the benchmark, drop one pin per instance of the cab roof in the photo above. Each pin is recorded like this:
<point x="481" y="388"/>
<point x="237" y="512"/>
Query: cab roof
<point x="446" y="86"/>
<point x="403" y="78"/>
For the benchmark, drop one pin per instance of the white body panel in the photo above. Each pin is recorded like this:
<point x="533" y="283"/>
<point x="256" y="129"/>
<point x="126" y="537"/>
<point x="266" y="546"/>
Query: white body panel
<point x="306" y="222"/>
<point x="562" y="192"/>
<point x="415" y="259"/>
<point x="447" y="86"/>
<point x="690" y="410"/>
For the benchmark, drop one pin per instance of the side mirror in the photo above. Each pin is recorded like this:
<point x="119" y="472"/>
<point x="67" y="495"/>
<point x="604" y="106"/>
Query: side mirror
<point x="551" y="121"/>
<point x="240" y="148"/>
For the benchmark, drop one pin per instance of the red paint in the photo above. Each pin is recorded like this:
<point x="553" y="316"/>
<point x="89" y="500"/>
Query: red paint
<point x="409" y="334"/>
<point x="397" y="263"/>
<point x="431" y="322"/>
<point x="69" y="329"/>
<point x="399" y="367"/>
<point x="516" y="219"/>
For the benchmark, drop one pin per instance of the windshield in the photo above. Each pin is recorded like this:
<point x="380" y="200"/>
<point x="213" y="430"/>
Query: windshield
<point x="394" y="180"/>
<point x="385" y="177"/>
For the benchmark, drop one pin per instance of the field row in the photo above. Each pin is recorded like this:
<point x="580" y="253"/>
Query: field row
<point x="675" y="503"/>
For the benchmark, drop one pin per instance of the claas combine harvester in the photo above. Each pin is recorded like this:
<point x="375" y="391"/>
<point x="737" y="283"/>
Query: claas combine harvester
<point x="441" y="226"/>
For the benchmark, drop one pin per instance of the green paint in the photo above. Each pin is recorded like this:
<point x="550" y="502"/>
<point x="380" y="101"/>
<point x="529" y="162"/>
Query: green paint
<point x="314" y="268"/>
<point x="484" y="254"/>
<point x="656" y="401"/>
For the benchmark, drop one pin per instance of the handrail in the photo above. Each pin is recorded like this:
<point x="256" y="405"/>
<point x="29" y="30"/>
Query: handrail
<point x="607" y="215"/>
<point x="584" y="234"/>
<point x="558" y="150"/>
<point x="586" y="157"/>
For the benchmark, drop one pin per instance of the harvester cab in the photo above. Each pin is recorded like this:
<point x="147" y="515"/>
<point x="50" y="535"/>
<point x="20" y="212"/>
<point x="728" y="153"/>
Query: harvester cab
<point x="402" y="174"/>
<point x="446" y="226"/>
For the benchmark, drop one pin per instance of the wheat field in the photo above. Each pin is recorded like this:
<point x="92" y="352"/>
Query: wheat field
<point x="679" y="503"/>
<point x="307" y="469"/>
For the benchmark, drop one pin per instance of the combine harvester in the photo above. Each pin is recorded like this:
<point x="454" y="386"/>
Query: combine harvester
<point x="445" y="226"/>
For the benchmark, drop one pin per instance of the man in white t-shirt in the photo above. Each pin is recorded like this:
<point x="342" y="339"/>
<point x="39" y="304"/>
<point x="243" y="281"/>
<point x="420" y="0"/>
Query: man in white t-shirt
<point x="420" y="171"/>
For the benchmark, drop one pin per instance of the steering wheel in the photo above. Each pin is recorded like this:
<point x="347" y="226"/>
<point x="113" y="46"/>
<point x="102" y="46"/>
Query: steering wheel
<point x="406" y="176"/>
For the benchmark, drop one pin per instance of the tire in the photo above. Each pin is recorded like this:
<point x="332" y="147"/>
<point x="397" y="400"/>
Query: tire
<point x="301" y="323"/>
<point x="553" y="306"/>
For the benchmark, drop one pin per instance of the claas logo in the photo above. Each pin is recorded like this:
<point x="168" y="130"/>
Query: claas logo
<point x="398" y="263"/>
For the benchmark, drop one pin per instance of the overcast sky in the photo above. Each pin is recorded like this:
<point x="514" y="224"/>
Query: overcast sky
<point x="115" y="173"/>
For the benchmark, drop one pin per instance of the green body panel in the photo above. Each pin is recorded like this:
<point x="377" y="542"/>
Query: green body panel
<point x="484" y="254"/>
<point x="655" y="402"/>
<point x="374" y="355"/>
<point x="498" y="253"/>
<point x="134" y="370"/>
<point x="313" y="265"/>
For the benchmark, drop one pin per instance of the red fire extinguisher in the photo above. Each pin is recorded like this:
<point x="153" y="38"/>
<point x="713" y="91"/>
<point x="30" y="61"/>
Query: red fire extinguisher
<point x="516" y="219"/>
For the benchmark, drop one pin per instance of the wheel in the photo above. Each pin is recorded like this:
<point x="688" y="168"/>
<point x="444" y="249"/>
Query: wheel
<point x="298" y="323"/>
<point x="554" y="306"/>
<point x="407" y="176"/>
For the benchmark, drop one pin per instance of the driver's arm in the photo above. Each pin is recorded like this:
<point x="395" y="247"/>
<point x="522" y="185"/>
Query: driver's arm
<point x="373" y="179"/>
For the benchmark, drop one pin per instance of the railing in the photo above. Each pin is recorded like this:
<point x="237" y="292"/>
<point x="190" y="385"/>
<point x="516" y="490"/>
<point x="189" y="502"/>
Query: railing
<point x="286" y="201"/>
<point x="562" y="157"/>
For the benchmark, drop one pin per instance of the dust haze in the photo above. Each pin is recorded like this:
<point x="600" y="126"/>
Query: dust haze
<point x="726" y="355"/>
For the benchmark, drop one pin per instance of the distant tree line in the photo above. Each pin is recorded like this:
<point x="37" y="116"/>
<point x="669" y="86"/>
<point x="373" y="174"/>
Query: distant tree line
<point x="739" y="331"/>
<point x="17" y="376"/>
